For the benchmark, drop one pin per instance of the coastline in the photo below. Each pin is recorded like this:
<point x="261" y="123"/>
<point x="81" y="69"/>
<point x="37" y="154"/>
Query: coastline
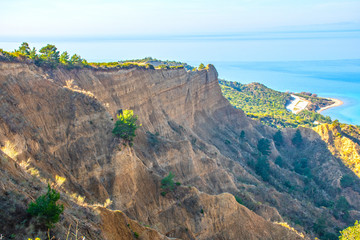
<point x="337" y="103"/>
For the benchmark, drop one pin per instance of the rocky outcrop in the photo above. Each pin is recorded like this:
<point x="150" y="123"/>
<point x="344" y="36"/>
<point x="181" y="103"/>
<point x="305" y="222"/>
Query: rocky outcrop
<point x="59" y="122"/>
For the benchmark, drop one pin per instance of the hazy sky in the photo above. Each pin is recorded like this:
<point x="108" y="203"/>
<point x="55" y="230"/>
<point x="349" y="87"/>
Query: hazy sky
<point x="139" y="17"/>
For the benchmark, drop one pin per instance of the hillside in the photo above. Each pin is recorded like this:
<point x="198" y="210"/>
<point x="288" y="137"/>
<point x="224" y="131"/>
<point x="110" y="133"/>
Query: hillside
<point x="58" y="122"/>
<point x="268" y="106"/>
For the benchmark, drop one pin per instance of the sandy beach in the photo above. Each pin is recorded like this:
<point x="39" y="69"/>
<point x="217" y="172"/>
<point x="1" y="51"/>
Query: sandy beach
<point x="336" y="103"/>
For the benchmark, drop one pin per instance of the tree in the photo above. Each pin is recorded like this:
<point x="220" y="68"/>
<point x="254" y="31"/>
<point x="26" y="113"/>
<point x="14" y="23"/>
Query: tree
<point x="297" y="139"/>
<point x="126" y="126"/>
<point x="46" y="209"/>
<point x="242" y="134"/>
<point x="75" y="60"/>
<point x="64" y="58"/>
<point x="201" y="66"/>
<point x="346" y="181"/>
<point x="351" y="233"/>
<point x="24" y="48"/>
<point x="50" y="55"/>
<point x="264" y="146"/>
<point x="262" y="168"/>
<point x="167" y="183"/>
<point x="301" y="167"/>
<point x="279" y="161"/>
<point x="32" y="54"/>
<point x="278" y="138"/>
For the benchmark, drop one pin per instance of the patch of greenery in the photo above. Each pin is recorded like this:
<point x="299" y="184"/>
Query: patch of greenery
<point x="346" y="181"/>
<point x="297" y="139"/>
<point x="267" y="105"/>
<point x="264" y="146"/>
<point x="126" y="126"/>
<point x="50" y="57"/>
<point x="278" y="138"/>
<point x="262" y="168"/>
<point x="46" y="209"/>
<point x="167" y="183"/>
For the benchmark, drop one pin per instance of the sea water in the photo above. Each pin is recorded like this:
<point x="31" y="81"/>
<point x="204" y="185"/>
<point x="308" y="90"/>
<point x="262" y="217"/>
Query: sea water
<point x="323" y="62"/>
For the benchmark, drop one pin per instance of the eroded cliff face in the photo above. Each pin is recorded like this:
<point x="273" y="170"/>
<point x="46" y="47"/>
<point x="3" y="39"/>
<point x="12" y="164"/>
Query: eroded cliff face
<point x="342" y="145"/>
<point x="59" y="122"/>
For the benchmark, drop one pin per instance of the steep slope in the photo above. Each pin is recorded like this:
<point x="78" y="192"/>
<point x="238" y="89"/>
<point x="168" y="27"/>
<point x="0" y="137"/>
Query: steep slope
<point x="60" y="122"/>
<point x="342" y="144"/>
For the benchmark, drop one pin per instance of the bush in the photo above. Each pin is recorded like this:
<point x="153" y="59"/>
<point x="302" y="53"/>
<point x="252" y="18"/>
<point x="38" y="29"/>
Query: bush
<point x="262" y="168"/>
<point x="126" y="126"/>
<point x="242" y="134"/>
<point x="346" y="181"/>
<point x="264" y="146"/>
<point x="163" y="67"/>
<point x="278" y="138"/>
<point x="46" y="209"/>
<point x="279" y="161"/>
<point x="301" y="167"/>
<point x="297" y="139"/>
<point x="201" y="66"/>
<point x="167" y="183"/>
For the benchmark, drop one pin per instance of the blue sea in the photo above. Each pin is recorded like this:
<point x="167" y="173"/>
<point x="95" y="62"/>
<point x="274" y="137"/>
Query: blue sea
<point x="322" y="62"/>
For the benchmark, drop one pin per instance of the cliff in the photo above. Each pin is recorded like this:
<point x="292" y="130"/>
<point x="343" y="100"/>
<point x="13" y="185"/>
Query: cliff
<point x="59" y="122"/>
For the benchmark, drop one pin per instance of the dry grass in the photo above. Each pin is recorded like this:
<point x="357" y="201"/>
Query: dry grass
<point x="9" y="149"/>
<point x="71" y="86"/>
<point x="286" y="225"/>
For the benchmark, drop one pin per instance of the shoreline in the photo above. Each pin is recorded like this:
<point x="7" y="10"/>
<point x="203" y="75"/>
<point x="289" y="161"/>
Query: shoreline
<point x="337" y="103"/>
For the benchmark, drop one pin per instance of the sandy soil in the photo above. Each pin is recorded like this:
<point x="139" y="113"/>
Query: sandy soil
<point x="336" y="104"/>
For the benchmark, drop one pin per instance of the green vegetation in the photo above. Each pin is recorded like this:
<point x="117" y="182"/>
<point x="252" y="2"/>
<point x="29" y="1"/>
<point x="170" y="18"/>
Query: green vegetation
<point x="262" y="168"/>
<point x="264" y="146"/>
<point x="317" y="102"/>
<point x="242" y="134"/>
<point x="301" y="167"/>
<point x="46" y="209"/>
<point x="297" y="139"/>
<point x="126" y="126"/>
<point x="239" y="200"/>
<point x="278" y="138"/>
<point x="50" y="57"/>
<point x="279" y="161"/>
<point x="168" y="184"/>
<point x="201" y="66"/>
<point x="346" y="181"/>
<point x="351" y="233"/>
<point x="267" y="105"/>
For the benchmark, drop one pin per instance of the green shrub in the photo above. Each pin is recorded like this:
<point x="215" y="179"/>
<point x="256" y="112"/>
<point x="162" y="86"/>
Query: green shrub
<point x="126" y="126"/>
<point x="297" y="139"/>
<point x="239" y="200"/>
<point x="301" y="167"/>
<point x="279" y="161"/>
<point x="201" y="66"/>
<point x="264" y="146"/>
<point x="46" y="209"/>
<point x="242" y="134"/>
<point x="278" y="138"/>
<point x="167" y="183"/>
<point x="149" y="66"/>
<point x="163" y="67"/>
<point x="262" y="168"/>
<point x="346" y="181"/>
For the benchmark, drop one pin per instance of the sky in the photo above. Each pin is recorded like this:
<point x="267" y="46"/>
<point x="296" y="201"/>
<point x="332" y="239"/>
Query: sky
<point x="107" y="18"/>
